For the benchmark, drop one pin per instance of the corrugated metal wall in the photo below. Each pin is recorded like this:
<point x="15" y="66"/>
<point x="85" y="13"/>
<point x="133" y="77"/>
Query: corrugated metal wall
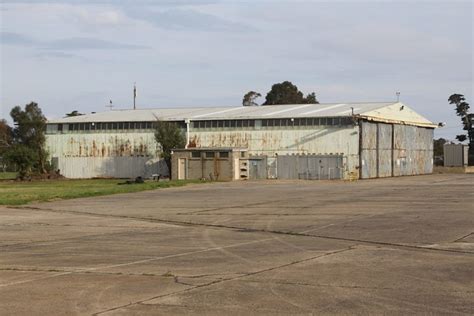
<point x="413" y="150"/>
<point x="320" y="140"/>
<point x="113" y="167"/>
<point x="120" y="155"/>
<point x="455" y="155"/>
<point x="310" y="167"/>
<point x="395" y="150"/>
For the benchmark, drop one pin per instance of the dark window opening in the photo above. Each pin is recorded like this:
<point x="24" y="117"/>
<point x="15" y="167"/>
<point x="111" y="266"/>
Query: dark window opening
<point x="224" y="154"/>
<point x="210" y="154"/>
<point x="196" y="154"/>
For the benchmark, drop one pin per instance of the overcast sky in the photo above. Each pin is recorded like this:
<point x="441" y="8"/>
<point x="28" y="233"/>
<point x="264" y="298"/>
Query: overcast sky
<point x="76" y="55"/>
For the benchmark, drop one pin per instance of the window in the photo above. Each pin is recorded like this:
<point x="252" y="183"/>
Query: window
<point x="148" y="125"/>
<point x="60" y="127"/>
<point x="208" y="124"/>
<point x="196" y="154"/>
<point x="232" y="123"/>
<point x="227" y="123"/>
<point x="114" y="125"/>
<point x="264" y="123"/>
<point x="252" y="123"/>
<point x="220" y="123"/>
<point x="324" y="121"/>
<point x="210" y="154"/>
<point x="239" y="123"/>
<point x="245" y="123"/>
<point x="224" y="154"/>
<point x="214" y="124"/>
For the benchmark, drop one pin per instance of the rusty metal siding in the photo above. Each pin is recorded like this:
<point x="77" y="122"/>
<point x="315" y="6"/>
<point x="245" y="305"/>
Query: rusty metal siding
<point x="120" y="155"/>
<point x="124" y="144"/>
<point x="384" y="150"/>
<point x="320" y="140"/>
<point x="110" y="167"/>
<point x="310" y="167"/>
<point x="413" y="150"/>
<point x="368" y="150"/>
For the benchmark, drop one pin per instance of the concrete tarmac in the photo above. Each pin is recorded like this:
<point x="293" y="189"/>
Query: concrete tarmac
<point x="386" y="246"/>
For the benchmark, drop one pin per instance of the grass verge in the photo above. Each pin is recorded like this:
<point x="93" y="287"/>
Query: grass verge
<point x="7" y="175"/>
<point x="19" y="193"/>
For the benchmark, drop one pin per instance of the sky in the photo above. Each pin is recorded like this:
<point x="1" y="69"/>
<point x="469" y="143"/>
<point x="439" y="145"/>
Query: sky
<point x="77" y="55"/>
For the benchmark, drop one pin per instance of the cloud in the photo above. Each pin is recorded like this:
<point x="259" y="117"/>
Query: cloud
<point x="9" y="38"/>
<point x="54" y="54"/>
<point x="116" y="2"/>
<point x="75" y="43"/>
<point x="88" y="43"/>
<point x="187" y="19"/>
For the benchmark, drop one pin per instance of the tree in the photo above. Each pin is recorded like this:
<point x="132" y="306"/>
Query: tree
<point x="461" y="137"/>
<point x="250" y="97"/>
<point x="23" y="157"/>
<point x="462" y="110"/>
<point x="311" y="98"/>
<point x="74" y="113"/>
<point x="169" y="136"/>
<point x="6" y="135"/>
<point x="30" y="128"/>
<point x="438" y="146"/>
<point x="288" y="93"/>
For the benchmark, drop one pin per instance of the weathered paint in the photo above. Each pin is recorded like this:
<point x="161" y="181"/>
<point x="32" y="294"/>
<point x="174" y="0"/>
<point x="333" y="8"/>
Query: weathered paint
<point x="395" y="150"/>
<point x="413" y="150"/>
<point x="119" y="155"/>
<point x="321" y="140"/>
<point x="310" y="167"/>
<point x="93" y="154"/>
<point x="368" y="150"/>
<point x="103" y="144"/>
<point x="110" y="167"/>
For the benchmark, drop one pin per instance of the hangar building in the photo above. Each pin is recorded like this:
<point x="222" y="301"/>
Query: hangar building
<point x="309" y="141"/>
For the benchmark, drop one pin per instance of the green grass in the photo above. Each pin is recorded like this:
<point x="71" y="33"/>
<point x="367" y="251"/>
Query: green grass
<point x="7" y="175"/>
<point x="18" y="193"/>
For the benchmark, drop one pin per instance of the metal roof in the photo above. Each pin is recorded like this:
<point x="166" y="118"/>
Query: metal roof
<point x="374" y="111"/>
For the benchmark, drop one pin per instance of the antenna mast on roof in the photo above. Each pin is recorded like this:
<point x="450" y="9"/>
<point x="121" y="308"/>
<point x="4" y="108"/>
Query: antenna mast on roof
<point x="398" y="96"/>
<point x="110" y="106"/>
<point x="134" y="95"/>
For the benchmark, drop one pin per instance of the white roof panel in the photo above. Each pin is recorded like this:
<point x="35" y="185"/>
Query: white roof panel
<point x="373" y="111"/>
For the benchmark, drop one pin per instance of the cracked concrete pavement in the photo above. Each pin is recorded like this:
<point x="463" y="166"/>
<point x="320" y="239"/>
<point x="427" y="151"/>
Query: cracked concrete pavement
<point x="387" y="246"/>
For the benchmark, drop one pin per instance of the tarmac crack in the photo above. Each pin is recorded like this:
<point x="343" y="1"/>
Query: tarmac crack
<point x="226" y="280"/>
<point x="463" y="237"/>
<point x="246" y="229"/>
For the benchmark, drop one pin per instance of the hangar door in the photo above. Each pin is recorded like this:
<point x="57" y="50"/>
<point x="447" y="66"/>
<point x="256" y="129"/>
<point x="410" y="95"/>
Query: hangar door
<point x="376" y="150"/>
<point x="257" y="168"/>
<point x="310" y="167"/>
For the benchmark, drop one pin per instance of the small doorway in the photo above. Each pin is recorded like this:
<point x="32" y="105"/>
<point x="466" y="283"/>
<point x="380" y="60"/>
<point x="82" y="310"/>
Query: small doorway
<point x="181" y="168"/>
